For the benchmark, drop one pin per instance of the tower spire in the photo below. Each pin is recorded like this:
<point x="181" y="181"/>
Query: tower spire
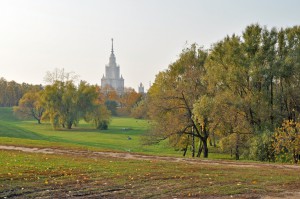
<point x="112" y="45"/>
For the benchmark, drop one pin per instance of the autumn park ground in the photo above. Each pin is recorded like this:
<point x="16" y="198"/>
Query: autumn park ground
<point x="38" y="162"/>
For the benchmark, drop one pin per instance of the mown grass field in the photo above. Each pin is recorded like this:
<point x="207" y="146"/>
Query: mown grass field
<point x="29" y="133"/>
<point x="30" y="175"/>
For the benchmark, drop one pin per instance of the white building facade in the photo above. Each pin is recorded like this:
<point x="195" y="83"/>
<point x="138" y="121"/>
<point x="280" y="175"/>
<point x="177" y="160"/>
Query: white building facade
<point x="112" y="76"/>
<point x="141" y="88"/>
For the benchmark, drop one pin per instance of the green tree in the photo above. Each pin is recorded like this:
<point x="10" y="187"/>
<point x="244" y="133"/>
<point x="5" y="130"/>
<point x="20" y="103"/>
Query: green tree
<point x="99" y="116"/>
<point x="61" y="102"/>
<point x="228" y="86"/>
<point x="61" y="99"/>
<point x="254" y="81"/>
<point x="30" y="106"/>
<point x="65" y="104"/>
<point x="171" y="100"/>
<point x="262" y="147"/>
<point x="91" y="106"/>
<point x="202" y="112"/>
<point x="288" y="61"/>
<point x="244" y="87"/>
<point x="52" y="101"/>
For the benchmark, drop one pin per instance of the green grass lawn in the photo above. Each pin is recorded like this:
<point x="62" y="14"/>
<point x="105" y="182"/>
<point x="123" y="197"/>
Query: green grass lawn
<point x="14" y="131"/>
<point x="84" y="136"/>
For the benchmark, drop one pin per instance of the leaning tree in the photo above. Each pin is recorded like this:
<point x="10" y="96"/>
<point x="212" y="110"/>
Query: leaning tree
<point x="171" y="100"/>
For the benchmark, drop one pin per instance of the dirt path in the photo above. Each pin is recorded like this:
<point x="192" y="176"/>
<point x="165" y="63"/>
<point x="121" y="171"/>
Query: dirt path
<point x="127" y="155"/>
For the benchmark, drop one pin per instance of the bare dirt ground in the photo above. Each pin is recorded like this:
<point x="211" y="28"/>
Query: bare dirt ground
<point x="126" y="155"/>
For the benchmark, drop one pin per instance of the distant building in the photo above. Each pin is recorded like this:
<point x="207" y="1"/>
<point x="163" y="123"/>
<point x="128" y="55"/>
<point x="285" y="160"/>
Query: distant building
<point x="112" y="76"/>
<point x="141" y="88"/>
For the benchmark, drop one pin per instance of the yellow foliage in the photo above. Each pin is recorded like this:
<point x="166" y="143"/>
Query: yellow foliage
<point x="287" y="141"/>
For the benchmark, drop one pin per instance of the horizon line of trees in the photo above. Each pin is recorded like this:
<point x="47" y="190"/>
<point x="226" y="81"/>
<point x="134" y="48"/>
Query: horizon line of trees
<point x="11" y="92"/>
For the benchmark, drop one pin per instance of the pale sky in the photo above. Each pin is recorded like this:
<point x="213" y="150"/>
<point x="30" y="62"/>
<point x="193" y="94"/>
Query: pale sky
<point x="37" y="36"/>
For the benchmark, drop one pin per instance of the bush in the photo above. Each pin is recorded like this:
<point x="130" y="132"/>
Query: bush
<point x="261" y="147"/>
<point x="287" y="142"/>
<point x="103" y="125"/>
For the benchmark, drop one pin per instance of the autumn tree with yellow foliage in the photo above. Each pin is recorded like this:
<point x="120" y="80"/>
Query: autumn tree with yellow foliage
<point x="287" y="141"/>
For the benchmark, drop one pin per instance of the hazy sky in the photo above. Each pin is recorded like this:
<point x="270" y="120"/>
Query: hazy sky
<point x="37" y="36"/>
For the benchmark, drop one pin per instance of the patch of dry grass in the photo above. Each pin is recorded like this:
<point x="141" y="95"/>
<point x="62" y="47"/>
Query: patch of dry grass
<point x="44" y="175"/>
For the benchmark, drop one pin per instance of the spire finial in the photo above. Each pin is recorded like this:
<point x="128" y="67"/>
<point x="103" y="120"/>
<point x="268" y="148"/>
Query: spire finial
<point x="112" y="45"/>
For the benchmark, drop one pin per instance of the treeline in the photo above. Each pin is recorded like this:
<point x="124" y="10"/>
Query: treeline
<point x="244" y="92"/>
<point x="64" y="103"/>
<point x="11" y="92"/>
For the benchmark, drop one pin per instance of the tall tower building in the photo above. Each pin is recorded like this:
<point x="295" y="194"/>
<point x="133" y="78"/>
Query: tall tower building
<point x="141" y="88"/>
<point x="112" y="76"/>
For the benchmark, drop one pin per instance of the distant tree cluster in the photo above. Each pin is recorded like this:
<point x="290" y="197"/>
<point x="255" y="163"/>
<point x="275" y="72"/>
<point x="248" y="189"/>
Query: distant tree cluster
<point x="240" y="92"/>
<point x="63" y="103"/>
<point x="121" y="105"/>
<point x="140" y="109"/>
<point x="11" y="92"/>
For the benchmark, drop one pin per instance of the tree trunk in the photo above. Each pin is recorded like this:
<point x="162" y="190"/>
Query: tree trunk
<point x="295" y="155"/>
<point x="210" y="142"/>
<point x="204" y="139"/>
<point x="237" y="155"/>
<point x="69" y="125"/>
<point x="193" y="143"/>
<point x="214" y="139"/>
<point x="39" y="121"/>
<point x="186" y="147"/>
<point x="251" y="116"/>
<point x="271" y="102"/>
<point x="184" y="151"/>
<point x="205" y="148"/>
<point x="200" y="148"/>
<point x="237" y="152"/>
